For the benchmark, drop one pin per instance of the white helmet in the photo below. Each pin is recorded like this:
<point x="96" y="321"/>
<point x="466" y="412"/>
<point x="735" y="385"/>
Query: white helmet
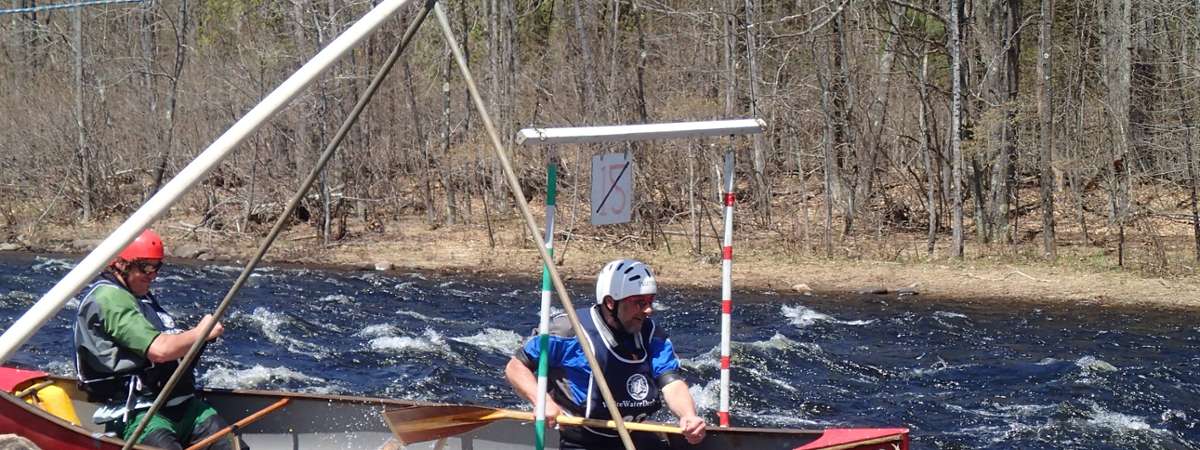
<point x="623" y="278"/>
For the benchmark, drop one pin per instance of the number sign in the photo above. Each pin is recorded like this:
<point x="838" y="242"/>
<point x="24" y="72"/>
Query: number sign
<point x="612" y="189"/>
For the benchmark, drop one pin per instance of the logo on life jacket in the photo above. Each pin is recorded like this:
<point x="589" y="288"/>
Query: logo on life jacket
<point x="637" y="386"/>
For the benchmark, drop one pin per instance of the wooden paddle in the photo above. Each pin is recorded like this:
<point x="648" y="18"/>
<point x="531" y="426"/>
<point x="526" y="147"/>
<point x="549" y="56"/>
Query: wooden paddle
<point x="240" y="424"/>
<point x="425" y="423"/>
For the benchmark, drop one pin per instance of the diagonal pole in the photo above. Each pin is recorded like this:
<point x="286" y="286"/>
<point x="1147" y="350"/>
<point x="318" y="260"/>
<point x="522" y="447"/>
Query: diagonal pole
<point x="284" y="217"/>
<point x="53" y="301"/>
<point x="515" y="186"/>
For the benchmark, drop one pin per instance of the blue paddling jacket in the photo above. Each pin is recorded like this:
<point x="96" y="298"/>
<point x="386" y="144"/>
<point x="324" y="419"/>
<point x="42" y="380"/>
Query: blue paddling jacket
<point x="636" y="367"/>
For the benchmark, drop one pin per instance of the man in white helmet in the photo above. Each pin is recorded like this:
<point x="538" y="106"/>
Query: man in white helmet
<point x="636" y="356"/>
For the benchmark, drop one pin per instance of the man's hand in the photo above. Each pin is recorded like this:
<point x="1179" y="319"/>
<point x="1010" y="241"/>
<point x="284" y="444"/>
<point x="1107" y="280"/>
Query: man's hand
<point x="552" y="412"/>
<point x="217" y="330"/>
<point x="523" y="381"/>
<point x="693" y="429"/>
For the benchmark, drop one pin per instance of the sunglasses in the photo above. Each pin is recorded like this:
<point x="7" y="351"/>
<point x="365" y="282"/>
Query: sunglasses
<point x="640" y="302"/>
<point x="147" y="267"/>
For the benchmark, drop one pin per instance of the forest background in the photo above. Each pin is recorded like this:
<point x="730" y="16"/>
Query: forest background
<point x="1024" y="149"/>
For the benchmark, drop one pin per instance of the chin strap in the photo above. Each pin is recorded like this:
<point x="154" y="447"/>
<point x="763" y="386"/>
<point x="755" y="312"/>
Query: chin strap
<point x="118" y="275"/>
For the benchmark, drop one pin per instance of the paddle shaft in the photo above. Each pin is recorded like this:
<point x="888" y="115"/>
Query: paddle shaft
<point x="580" y="421"/>
<point x="285" y="92"/>
<point x="515" y="186"/>
<point x="240" y="424"/>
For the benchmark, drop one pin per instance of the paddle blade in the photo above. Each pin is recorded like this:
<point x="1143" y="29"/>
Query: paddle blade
<point x="426" y="423"/>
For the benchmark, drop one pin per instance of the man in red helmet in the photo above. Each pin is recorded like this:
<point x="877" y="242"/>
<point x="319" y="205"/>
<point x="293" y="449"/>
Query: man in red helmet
<point x="127" y="346"/>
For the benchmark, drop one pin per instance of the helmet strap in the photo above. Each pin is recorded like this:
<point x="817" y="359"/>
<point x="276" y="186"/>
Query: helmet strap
<point x="121" y="273"/>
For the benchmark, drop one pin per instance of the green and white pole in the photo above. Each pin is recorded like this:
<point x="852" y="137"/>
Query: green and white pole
<point x="547" y="294"/>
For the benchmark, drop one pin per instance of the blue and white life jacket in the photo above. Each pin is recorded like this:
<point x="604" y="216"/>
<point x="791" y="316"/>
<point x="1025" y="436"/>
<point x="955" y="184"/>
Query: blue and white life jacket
<point x="630" y="376"/>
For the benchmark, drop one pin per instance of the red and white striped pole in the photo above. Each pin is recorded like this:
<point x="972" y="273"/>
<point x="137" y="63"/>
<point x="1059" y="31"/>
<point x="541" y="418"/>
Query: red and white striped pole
<point x="726" y="290"/>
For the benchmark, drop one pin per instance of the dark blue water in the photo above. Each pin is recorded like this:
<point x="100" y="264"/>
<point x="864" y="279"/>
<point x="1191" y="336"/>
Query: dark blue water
<point x="962" y="376"/>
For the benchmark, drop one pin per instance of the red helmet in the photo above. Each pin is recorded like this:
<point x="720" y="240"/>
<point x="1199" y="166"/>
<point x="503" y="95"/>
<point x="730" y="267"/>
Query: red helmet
<point x="148" y="245"/>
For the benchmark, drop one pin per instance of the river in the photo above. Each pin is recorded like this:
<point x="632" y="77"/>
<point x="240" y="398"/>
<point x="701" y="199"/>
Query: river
<point x="960" y="375"/>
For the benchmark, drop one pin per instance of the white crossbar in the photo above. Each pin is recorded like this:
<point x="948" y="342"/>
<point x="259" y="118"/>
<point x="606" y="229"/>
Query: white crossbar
<point x="620" y="133"/>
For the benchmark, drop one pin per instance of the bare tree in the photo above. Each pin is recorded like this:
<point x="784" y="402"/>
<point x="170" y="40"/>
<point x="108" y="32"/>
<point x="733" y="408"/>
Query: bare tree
<point x="167" y="132"/>
<point x="1117" y="79"/>
<point x="587" y="82"/>
<point x="827" y="143"/>
<point x="760" y="157"/>
<point x="956" y="125"/>
<point x="83" y="155"/>
<point x="445" y="170"/>
<point x="1046" y="127"/>
<point x="1189" y="122"/>
<point x="999" y="46"/>
<point x="1191" y="171"/>
<point x="927" y="153"/>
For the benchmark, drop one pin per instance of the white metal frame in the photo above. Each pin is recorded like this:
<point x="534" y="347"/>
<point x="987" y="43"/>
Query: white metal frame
<point x="641" y="132"/>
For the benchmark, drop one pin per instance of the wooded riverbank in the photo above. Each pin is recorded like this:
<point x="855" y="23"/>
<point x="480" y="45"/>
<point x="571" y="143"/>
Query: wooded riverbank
<point x="971" y="148"/>
<point x="761" y="264"/>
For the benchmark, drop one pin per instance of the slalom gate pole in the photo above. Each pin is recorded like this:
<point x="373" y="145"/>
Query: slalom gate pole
<point x="547" y="294"/>
<point x="726" y="290"/>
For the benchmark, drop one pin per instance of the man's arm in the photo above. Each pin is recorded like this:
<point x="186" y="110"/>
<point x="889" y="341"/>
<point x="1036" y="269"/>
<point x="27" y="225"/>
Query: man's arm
<point x="675" y="391"/>
<point x="525" y="383"/>
<point x="679" y="400"/>
<point x="169" y="347"/>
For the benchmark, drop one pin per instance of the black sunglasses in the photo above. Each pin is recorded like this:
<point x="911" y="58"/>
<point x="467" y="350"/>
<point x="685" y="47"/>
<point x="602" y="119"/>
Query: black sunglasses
<point x="147" y="267"/>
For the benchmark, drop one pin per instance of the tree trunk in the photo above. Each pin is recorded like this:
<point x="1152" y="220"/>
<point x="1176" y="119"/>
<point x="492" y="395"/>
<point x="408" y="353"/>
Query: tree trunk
<point x="728" y="53"/>
<point x="846" y="138"/>
<point x="827" y="147"/>
<point x="976" y="178"/>
<point x="422" y="142"/>
<point x="876" y="136"/>
<point x="1004" y="43"/>
<point x="802" y="175"/>
<point x="1046" y="129"/>
<point x="956" y="126"/>
<point x="168" y="139"/>
<point x="587" y="86"/>
<point x="464" y="40"/>
<point x="760" y="157"/>
<point x="1191" y="168"/>
<point x="927" y="153"/>
<point x="87" y="193"/>
<point x="148" y="41"/>
<point x="643" y="110"/>
<point x="446" y="171"/>
<point x="1117" y="77"/>
<point x="495" y="65"/>
<point x="693" y="213"/>
<point x="1189" y="122"/>
<point x="1081" y="78"/>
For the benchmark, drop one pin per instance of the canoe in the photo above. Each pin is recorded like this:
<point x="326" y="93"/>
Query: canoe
<point x="338" y="422"/>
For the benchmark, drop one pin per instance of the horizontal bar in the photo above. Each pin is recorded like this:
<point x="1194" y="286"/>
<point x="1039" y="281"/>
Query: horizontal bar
<point x="643" y="132"/>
